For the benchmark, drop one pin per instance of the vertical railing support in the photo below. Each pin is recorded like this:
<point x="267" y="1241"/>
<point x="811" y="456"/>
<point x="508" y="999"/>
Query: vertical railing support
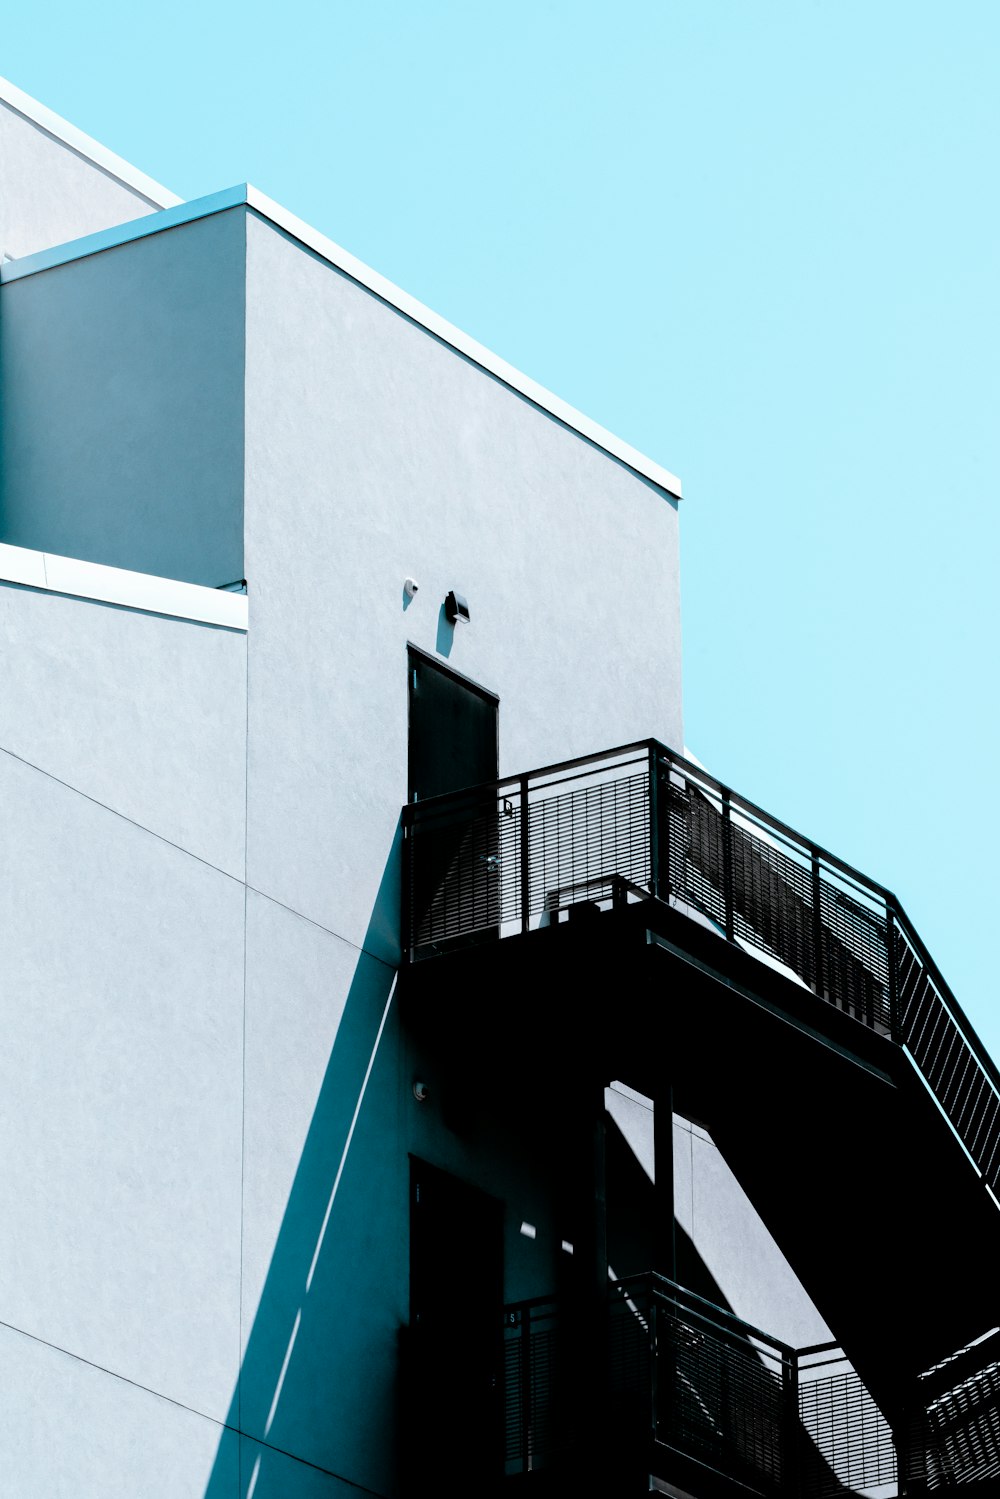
<point x="525" y="857"/>
<point x="654" y="823"/>
<point x="790" y="1446"/>
<point x="664" y="833"/>
<point x="407" y="890"/>
<point x="525" y="1372"/>
<point x="727" y="864"/>
<point x="895" y="1019"/>
<point x="665" y="1239"/>
<point x="817" y="925"/>
<point x="654" y="1368"/>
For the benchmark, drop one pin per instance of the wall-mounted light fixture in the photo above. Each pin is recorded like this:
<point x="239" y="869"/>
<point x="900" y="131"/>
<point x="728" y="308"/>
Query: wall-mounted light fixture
<point x="456" y="609"/>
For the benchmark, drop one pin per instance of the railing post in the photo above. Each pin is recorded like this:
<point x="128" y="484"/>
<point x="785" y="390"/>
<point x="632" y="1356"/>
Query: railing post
<point x="525" y="1371"/>
<point x="406" y="893"/>
<point x="525" y="857"/>
<point x="895" y="1019"/>
<point x="664" y="835"/>
<point x="654" y="824"/>
<point x="654" y="1367"/>
<point x="817" y="925"/>
<point x="727" y="865"/>
<point x="790" y="1453"/>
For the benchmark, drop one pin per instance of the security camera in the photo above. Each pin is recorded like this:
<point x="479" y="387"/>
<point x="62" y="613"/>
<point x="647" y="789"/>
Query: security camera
<point x="420" y="1092"/>
<point x="410" y="587"/>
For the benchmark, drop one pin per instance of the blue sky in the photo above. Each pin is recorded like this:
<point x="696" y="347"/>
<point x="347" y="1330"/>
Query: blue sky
<point x="759" y="241"/>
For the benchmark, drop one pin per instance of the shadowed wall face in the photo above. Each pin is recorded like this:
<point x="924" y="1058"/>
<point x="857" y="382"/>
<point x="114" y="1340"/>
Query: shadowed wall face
<point x="122" y="415"/>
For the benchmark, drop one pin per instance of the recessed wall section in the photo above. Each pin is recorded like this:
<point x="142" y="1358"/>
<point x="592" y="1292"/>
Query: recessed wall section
<point x="121" y="417"/>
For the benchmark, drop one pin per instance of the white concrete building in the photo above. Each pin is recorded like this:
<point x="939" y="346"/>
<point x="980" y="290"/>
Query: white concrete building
<point x="213" y="1150"/>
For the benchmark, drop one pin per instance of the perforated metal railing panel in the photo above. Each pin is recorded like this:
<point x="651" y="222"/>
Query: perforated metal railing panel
<point x="718" y="1402"/>
<point x="961" y="1432"/>
<point x="581" y="839"/>
<point x="768" y="895"/>
<point x="693" y="1379"/>
<point x="947" y="1062"/>
<point x="482" y="860"/>
<point x="539" y="1425"/>
<point x="848" y="1433"/>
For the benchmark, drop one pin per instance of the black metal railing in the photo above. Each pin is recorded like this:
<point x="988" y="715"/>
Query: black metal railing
<point x="956" y="1439"/>
<point x="637" y="822"/>
<point x="696" y="1380"/>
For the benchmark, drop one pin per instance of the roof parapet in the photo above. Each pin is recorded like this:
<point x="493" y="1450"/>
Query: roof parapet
<point x="245" y="195"/>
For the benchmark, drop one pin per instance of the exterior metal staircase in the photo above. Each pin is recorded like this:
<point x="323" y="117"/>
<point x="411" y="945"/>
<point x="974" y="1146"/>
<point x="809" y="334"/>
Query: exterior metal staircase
<point x="558" y="843"/>
<point x="900" y="1161"/>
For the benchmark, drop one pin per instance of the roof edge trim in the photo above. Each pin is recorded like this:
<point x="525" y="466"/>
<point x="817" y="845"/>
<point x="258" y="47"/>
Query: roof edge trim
<point x="117" y="585"/>
<point x="356" y="269"/>
<point x="84" y="145"/>
<point x="363" y="275"/>
<point x="121" y="234"/>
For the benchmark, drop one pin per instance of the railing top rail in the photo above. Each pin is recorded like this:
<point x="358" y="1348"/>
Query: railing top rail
<point x="529" y="1304"/>
<point x="775" y="825"/>
<point x="814" y="1348"/>
<point x="690" y="1301"/>
<point x="482" y="788"/>
<point x="695" y="772"/>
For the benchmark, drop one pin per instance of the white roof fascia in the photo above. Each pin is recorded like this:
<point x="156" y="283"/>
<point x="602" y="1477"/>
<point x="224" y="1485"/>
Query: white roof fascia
<point x="349" y="265"/>
<point x="129" y="176"/>
<point x="121" y="234"/>
<point x="116" y="585"/>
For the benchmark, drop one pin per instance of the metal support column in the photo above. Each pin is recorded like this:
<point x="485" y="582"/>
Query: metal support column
<point x="665" y="1240"/>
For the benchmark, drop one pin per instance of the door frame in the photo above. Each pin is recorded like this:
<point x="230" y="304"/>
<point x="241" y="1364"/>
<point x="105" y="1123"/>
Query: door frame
<point x="459" y="676"/>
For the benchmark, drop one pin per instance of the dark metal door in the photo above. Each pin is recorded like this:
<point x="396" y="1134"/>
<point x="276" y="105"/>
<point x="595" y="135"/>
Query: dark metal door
<point x="456" y="1311"/>
<point x="453" y="730"/>
<point x="454" y="850"/>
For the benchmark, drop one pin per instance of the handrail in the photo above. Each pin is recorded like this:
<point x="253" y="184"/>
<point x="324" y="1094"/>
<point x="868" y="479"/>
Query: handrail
<point x="695" y="1379"/>
<point x="671" y="1290"/>
<point x="964" y="1023"/>
<point x="695" y="772"/>
<point x="521" y="850"/>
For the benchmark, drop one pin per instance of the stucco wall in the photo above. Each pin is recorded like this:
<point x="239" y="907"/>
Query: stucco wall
<point x="50" y="193"/>
<point x="211" y="1078"/>
<point x="121" y="405"/>
<point x="375" y="452"/>
<point x="122" y="746"/>
<point x="143" y="714"/>
<point x="121" y="992"/>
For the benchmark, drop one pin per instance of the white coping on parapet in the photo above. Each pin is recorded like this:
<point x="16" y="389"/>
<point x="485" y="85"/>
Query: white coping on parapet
<point x="122" y="171"/>
<point x="116" y="585"/>
<point x="348" y="265"/>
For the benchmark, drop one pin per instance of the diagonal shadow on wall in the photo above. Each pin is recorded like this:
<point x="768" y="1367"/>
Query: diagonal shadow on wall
<point x="318" y="1371"/>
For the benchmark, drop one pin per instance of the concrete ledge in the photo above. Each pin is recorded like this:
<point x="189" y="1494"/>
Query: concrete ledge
<point x="116" y="585"/>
